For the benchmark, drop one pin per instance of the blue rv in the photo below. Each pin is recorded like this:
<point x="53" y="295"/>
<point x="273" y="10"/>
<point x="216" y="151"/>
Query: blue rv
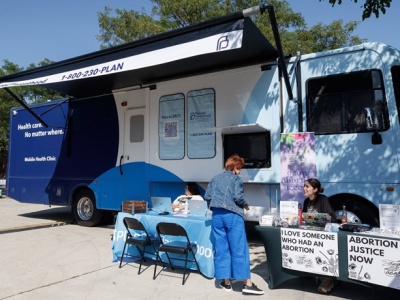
<point x="141" y="119"/>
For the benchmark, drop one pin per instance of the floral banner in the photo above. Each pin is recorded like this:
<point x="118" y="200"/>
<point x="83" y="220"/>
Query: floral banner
<point x="297" y="164"/>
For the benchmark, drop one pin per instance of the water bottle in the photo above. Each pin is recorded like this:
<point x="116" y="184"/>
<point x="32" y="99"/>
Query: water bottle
<point x="277" y="219"/>
<point x="300" y="212"/>
<point x="186" y="209"/>
<point x="344" y="215"/>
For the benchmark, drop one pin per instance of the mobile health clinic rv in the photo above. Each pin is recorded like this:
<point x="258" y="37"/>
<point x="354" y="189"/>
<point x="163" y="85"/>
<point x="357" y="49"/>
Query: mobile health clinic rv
<point x="141" y="119"/>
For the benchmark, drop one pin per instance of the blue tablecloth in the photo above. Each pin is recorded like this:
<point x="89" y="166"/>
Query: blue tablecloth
<point x="197" y="228"/>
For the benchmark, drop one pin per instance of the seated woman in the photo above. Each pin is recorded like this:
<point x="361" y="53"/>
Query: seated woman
<point x="192" y="192"/>
<point x="317" y="202"/>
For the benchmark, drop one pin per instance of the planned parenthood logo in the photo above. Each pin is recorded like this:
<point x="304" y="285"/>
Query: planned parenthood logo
<point x="223" y="43"/>
<point x="200" y="116"/>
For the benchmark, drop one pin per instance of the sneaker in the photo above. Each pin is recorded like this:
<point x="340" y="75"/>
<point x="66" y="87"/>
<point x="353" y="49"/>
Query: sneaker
<point x="226" y="287"/>
<point x="253" y="289"/>
<point x="326" y="285"/>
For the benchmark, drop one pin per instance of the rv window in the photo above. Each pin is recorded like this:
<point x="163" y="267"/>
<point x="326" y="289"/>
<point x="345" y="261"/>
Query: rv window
<point x="171" y="127"/>
<point x="337" y="103"/>
<point x="200" y="118"/>
<point x="136" y="129"/>
<point x="253" y="147"/>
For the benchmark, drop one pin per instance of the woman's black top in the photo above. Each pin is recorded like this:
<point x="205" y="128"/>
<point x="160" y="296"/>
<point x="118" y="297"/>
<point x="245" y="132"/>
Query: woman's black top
<point x="321" y="204"/>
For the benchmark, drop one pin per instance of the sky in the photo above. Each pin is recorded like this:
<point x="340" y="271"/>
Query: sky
<point x="58" y="29"/>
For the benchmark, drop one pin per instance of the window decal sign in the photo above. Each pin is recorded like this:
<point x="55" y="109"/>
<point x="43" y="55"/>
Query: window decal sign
<point x="171" y="127"/>
<point x="201" y="116"/>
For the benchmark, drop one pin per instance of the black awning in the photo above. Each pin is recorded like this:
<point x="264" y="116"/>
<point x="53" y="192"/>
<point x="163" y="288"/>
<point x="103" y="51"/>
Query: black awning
<point x="206" y="47"/>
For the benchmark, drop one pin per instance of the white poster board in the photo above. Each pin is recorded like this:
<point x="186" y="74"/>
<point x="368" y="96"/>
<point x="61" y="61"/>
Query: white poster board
<point x="288" y="209"/>
<point x="374" y="260"/>
<point x="389" y="216"/>
<point x="310" y="251"/>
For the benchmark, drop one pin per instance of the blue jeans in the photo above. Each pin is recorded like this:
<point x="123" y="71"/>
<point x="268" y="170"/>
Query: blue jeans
<point x="232" y="258"/>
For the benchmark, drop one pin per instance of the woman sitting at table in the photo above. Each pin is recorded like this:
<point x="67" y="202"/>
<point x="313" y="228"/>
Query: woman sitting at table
<point x="192" y="192"/>
<point x="317" y="202"/>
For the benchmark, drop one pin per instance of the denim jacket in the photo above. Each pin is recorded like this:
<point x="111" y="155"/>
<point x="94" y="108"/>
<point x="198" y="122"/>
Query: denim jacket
<point x="225" y="190"/>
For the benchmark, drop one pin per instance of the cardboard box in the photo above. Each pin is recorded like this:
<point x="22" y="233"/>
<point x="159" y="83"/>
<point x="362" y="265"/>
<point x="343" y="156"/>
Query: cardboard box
<point x="134" y="206"/>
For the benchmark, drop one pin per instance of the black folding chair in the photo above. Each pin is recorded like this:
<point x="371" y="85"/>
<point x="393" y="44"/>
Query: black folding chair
<point x="181" y="245"/>
<point x="141" y="239"/>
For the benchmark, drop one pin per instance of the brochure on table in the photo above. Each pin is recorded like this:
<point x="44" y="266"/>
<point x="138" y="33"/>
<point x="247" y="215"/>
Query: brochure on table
<point x="289" y="213"/>
<point x="374" y="260"/>
<point x="310" y="251"/>
<point x="288" y="209"/>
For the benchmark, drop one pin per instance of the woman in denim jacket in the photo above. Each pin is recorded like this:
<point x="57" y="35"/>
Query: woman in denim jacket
<point x="225" y="196"/>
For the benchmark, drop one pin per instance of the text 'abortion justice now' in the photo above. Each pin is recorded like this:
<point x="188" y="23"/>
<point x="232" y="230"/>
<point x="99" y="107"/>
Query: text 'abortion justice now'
<point x="363" y="249"/>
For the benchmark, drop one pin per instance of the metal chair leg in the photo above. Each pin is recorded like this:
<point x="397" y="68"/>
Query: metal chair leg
<point x="122" y="256"/>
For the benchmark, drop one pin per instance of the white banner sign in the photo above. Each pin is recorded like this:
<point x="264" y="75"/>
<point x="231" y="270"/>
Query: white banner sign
<point x="374" y="260"/>
<point x="216" y="43"/>
<point x="389" y="216"/>
<point x="310" y="251"/>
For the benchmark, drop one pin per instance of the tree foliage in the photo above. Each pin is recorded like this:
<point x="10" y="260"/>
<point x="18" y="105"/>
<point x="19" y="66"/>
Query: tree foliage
<point x="121" y="26"/>
<point x="370" y="7"/>
<point x="27" y="94"/>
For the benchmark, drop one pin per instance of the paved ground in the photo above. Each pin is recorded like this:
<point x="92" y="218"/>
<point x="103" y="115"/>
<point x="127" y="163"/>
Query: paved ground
<point x="45" y="256"/>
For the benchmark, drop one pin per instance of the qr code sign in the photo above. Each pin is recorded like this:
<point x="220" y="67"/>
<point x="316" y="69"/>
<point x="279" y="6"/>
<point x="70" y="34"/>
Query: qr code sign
<point x="171" y="129"/>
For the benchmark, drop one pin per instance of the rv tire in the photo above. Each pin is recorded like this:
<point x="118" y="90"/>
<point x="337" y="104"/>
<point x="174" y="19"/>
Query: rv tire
<point x="358" y="209"/>
<point x="84" y="209"/>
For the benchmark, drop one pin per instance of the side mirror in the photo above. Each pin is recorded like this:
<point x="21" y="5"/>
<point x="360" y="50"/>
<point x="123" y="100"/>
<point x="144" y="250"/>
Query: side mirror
<point x="372" y="123"/>
<point x="376" y="138"/>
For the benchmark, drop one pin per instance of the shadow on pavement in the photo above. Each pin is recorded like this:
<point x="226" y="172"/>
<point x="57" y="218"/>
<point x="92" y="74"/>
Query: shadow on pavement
<point x="57" y="214"/>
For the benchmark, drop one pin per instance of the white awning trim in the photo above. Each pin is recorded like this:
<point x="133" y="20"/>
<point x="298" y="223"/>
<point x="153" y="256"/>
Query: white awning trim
<point x="212" y="44"/>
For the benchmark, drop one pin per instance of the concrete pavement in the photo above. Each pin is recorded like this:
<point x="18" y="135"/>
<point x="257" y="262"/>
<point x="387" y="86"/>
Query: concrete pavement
<point x="44" y="255"/>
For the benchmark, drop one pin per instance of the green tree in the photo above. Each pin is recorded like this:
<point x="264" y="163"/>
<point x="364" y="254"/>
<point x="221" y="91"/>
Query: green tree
<point x="121" y="26"/>
<point x="370" y="7"/>
<point x="30" y="95"/>
<point x="321" y="37"/>
<point x="6" y="102"/>
<point x="125" y="26"/>
<point x="296" y="36"/>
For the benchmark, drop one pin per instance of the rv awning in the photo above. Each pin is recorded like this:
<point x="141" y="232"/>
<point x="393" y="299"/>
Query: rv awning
<point x="209" y="46"/>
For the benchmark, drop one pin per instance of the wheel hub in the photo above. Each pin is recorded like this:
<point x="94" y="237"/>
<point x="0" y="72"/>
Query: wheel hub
<point x="85" y="208"/>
